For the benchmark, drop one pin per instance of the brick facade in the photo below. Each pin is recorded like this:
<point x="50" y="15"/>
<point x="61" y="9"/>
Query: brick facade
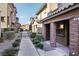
<point x="74" y="36"/>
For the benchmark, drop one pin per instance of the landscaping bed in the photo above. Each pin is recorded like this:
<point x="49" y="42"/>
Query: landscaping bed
<point x="13" y="51"/>
<point x="37" y="40"/>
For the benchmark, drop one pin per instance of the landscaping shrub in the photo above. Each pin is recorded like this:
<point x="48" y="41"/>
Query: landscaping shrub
<point x="33" y="35"/>
<point x="16" y="43"/>
<point x="10" y="52"/>
<point x="17" y="30"/>
<point x="39" y="37"/>
<point x="6" y="29"/>
<point x="39" y="45"/>
<point x="10" y="35"/>
<point x="18" y="40"/>
<point x="35" y="41"/>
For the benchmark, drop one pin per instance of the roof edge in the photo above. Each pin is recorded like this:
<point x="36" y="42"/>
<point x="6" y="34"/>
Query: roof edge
<point x="40" y="9"/>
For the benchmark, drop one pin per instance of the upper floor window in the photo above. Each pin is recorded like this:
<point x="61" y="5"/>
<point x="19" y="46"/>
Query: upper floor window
<point x="2" y="19"/>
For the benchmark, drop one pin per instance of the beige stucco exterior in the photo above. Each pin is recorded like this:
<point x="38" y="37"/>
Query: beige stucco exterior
<point x="3" y="9"/>
<point x="36" y="27"/>
<point x="8" y="11"/>
<point x="41" y="14"/>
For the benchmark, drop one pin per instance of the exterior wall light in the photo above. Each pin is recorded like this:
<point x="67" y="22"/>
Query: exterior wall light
<point x="73" y="53"/>
<point x="61" y="26"/>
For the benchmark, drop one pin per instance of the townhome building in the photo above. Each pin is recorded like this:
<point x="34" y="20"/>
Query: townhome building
<point x="62" y="26"/>
<point x="8" y="15"/>
<point x="41" y="13"/>
<point x="25" y="26"/>
<point x="35" y="25"/>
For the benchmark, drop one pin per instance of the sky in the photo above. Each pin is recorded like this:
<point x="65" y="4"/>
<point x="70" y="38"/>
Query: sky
<point x="26" y="10"/>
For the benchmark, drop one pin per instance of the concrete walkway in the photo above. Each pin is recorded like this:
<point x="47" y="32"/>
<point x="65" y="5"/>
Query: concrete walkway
<point x="26" y="46"/>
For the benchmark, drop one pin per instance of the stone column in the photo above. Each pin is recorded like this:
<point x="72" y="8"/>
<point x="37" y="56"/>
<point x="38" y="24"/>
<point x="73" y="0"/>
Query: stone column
<point x="74" y="36"/>
<point x="52" y="34"/>
<point x="44" y="31"/>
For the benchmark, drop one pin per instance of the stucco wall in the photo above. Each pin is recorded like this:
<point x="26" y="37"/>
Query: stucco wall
<point x="6" y="10"/>
<point x="3" y="9"/>
<point x="37" y="27"/>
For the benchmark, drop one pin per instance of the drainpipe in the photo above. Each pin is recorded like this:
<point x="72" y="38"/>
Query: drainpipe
<point x="0" y="24"/>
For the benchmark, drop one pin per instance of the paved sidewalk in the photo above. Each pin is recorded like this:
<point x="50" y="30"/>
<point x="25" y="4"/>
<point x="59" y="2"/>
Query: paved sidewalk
<point x="26" y="46"/>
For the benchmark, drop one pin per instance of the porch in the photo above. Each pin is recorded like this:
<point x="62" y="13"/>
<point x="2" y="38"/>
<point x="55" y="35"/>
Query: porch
<point x="65" y="32"/>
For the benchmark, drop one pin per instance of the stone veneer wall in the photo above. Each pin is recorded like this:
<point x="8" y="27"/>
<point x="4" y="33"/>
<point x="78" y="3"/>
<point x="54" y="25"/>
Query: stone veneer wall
<point x="74" y="36"/>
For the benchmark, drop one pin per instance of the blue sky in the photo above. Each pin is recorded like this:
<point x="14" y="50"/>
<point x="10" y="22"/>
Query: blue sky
<point x="26" y="10"/>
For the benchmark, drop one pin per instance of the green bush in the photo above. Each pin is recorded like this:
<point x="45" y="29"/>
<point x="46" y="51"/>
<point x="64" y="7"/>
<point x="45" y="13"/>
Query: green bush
<point x="33" y="35"/>
<point x="17" y="30"/>
<point x="10" y="52"/>
<point x="35" y="41"/>
<point x="38" y="37"/>
<point x="39" y="45"/>
<point x="6" y="29"/>
<point x="16" y="43"/>
<point x="18" y="40"/>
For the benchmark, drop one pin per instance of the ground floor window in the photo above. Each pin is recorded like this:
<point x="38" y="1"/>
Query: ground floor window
<point x="62" y="32"/>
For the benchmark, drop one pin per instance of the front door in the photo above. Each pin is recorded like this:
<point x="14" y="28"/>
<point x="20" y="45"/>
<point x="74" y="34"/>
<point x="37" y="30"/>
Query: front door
<point x="47" y="31"/>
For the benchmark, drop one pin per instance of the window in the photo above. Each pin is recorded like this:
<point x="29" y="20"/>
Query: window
<point x="8" y="20"/>
<point x="2" y="19"/>
<point x="60" y="29"/>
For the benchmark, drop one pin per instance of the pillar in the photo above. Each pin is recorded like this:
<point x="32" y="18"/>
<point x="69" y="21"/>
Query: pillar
<point x="74" y="36"/>
<point x="52" y="34"/>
